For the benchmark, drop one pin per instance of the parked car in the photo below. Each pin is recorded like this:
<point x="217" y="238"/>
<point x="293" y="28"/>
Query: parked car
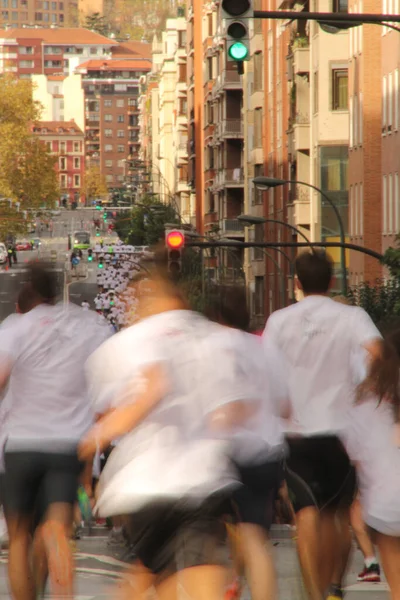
<point x="3" y="254"/>
<point x="23" y="245"/>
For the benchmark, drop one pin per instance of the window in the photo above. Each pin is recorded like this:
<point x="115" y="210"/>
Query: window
<point x="77" y="163"/>
<point x="316" y="98"/>
<point x="51" y="64"/>
<point x="258" y="68"/>
<point x="334" y="162"/>
<point x="108" y="117"/>
<point x="384" y="102"/>
<point x="109" y="164"/>
<point x="121" y="163"/>
<point x="183" y="106"/>
<point x="45" y="5"/>
<point x="54" y="18"/>
<point x="361" y="207"/>
<point x="360" y="117"/>
<point x="209" y="68"/>
<point x="258" y="237"/>
<point x="77" y="146"/>
<point x="258" y="128"/>
<point x="120" y="178"/>
<point x="62" y="147"/>
<point x="120" y="133"/>
<point x="63" y="181"/>
<point x="259" y="296"/>
<point x="52" y="50"/>
<point x="49" y="146"/>
<point x="209" y="24"/>
<point x="93" y="50"/>
<point x="108" y="148"/>
<point x="181" y="39"/>
<point x="182" y="73"/>
<point x="396" y="99"/>
<point x="121" y="118"/>
<point x="108" y="132"/>
<point x="26" y="50"/>
<point x="384" y="207"/>
<point x="4" y="3"/>
<point x="390" y="204"/>
<point x="132" y="102"/>
<point x="120" y="103"/>
<point x="63" y="164"/>
<point x="340" y="6"/>
<point x="121" y="148"/>
<point x="107" y="103"/>
<point x="340" y="93"/>
<point x="258" y="194"/>
<point x="38" y="16"/>
<point x="77" y="180"/>
<point x="14" y="3"/>
<point x="14" y="16"/>
<point x="54" y="6"/>
<point x="109" y="178"/>
<point x="390" y="102"/>
<point x="26" y="64"/>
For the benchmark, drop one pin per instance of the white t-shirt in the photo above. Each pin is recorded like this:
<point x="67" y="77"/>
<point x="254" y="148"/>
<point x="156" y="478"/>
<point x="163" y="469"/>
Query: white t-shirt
<point x="258" y="376"/>
<point x="48" y="347"/>
<point x="370" y="442"/>
<point x="321" y="341"/>
<point x="164" y="446"/>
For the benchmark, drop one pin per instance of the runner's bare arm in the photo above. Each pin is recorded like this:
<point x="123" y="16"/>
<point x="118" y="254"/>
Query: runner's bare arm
<point x="126" y="417"/>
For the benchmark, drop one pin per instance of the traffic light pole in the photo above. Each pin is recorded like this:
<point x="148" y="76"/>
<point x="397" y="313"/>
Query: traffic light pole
<point x="333" y="18"/>
<point x="239" y="244"/>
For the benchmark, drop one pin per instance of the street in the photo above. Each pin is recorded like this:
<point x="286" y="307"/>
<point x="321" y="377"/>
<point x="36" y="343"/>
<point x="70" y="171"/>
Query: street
<point x="11" y="279"/>
<point x="99" y="569"/>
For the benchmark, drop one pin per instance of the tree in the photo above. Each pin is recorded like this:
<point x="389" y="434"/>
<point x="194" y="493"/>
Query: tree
<point x="98" y="23"/>
<point x="27" y="173"/>
<point x="12" y="221"/>
<point x="145" y="225"/>
<point x="94" y="184"/>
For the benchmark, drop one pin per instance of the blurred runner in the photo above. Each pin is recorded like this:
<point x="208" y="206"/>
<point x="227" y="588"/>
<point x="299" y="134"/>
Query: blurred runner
<point x="41" y="357"/>
<point x="321" y="341"/>
<point x="169" y="472"/>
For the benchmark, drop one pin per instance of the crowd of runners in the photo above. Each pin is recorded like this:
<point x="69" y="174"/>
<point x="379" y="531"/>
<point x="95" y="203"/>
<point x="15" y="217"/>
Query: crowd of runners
<point x="203" y="426"/>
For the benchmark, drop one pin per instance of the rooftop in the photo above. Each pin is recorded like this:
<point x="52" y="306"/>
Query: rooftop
<point x="132" y="50"/>
<point x="66" y="128"/>
<point x="115" y="65"/>
<point x="63" y="36"/>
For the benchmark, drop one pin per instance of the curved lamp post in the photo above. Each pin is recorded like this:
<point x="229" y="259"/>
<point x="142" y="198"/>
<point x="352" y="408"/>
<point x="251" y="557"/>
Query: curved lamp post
<point x="271" y="182"/>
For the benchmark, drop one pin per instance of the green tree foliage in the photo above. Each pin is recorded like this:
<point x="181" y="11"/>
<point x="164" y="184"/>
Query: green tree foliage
<point x="98" y="23"/>
<point x="145" y="225"/>
<point x="27" y="174"/>
<point x="381" y="300"/>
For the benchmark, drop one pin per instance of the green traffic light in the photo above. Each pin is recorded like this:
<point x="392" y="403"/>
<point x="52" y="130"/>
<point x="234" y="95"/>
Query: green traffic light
<point x="238" y="51"/>
<point x="100" y="265"/>
<point x="98" y="207"/>
<point x="97" y="233"/>
<point x="90" y="258"/>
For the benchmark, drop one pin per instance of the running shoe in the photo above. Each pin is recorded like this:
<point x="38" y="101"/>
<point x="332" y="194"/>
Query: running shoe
<point x="335" y="593"/>
<point x="116" y="538"/>
<point x="371" y="574"/>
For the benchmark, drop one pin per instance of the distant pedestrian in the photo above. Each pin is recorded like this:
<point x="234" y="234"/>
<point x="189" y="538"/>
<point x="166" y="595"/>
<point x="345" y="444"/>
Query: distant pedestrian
<point x="9" y="256"/>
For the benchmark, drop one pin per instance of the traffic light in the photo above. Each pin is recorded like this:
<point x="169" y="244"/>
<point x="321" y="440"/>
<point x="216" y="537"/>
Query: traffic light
<point x="100" y="263"/>
<point x="90" y="255"/>
<point x="175" y="242"/>
<point x="237" y="14"/>
<point x="98" y="206"/>
<point x="97" y="232"/>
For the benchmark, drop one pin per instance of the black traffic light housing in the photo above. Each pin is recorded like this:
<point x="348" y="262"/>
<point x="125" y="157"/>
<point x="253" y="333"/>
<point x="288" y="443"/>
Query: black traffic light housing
<point x="175" y="243"/>
<point x="236" y="14"/>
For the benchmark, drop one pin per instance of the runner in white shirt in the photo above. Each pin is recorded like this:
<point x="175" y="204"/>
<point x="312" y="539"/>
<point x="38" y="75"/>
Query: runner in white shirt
<point x="321" y="341"/>
<point x="373" y="444"/>
<point x="42" y="357"/>
<point x="165" y="469"/>
<point x="85" y="305"/>
<point x="258" y="441"/>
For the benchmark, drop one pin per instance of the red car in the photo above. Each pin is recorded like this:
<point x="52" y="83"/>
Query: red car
<point x="24" y="245"/>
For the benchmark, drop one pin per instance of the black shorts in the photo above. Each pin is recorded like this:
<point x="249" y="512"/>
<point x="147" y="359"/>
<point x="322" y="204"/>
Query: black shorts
<point x="33" y="480"/>
<point x="319" y="473"/>
<point x="167" y="538"/>
<point x="255" y="498"/>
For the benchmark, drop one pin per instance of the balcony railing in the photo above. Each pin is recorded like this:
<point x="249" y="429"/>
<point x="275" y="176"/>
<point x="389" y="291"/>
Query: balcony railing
<point x="231" y="226"/>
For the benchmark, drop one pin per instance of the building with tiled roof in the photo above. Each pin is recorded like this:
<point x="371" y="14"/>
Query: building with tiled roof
<point x="66" y="140"/>
<point x="50" y="51"/>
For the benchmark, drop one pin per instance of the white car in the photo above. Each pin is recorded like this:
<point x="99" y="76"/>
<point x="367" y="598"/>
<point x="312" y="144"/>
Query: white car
<point x="3" y="254"/>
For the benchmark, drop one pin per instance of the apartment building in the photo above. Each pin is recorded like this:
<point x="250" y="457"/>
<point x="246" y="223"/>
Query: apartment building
<point x="44" y="13"/>
<point x="164" y="120"/>
<point x="50" y="51"/>
<point x="374" y="139"/>
<point x="195" y="107"/>
<point x="67" y="140"/>
<point x="111" y="92"/>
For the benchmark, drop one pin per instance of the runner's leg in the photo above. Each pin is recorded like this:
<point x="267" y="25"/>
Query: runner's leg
<point x="56" y="531"/>
<point x="19" y="570"/>
<point x="389" y="550"/>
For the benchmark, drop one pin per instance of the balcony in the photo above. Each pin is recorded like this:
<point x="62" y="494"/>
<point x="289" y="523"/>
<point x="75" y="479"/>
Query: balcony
<point x="301" y="60"/>
<point x="301" y="134"/>
<point x="227" y="80"/>
<point x="231" y="228"/>
<point x="230" y="128"/>
<point x="182" y="186"/>
<point x="299" y="212"/>
<point x="182" y="154"/>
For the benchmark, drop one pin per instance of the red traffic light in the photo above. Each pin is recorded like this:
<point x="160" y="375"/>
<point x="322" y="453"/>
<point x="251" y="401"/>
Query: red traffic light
<point x="175" y="239"/>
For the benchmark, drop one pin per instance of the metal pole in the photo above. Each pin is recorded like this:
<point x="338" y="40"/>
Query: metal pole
<point x="341" y="229"/>
<point x="342" y="18"/>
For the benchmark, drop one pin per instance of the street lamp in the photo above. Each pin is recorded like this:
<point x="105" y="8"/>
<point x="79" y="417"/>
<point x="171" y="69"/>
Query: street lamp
<point x="272" y="182"/>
